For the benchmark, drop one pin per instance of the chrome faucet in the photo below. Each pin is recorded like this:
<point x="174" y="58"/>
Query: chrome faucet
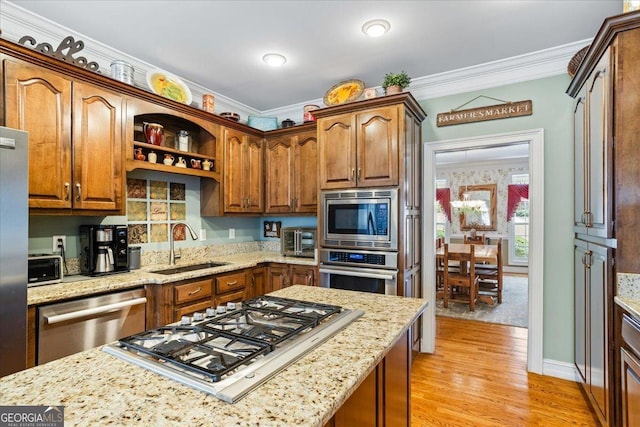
<point x="172" y="253"/>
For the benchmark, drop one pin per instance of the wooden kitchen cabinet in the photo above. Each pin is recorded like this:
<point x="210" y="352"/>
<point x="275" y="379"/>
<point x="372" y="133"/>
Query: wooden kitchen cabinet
<point x="284" y="275"/>
<point x="359" y="149"/>
<point x="630" y="372"/>
<point x="230" y="287"/>
<point x="75" y="138"/>
<point x="256" y="281"/>
<point x="593" y="153"/>
<point x="384" y="397"/>
<point x="167" y="303"/>
<point x="291" y="163"/>
<point x="243" y="173"/>
<point x="593" y="320"/>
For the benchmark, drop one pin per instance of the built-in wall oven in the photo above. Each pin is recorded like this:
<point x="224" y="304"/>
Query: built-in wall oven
<point x="359" y="240"/>
<point x="357" y="270"/>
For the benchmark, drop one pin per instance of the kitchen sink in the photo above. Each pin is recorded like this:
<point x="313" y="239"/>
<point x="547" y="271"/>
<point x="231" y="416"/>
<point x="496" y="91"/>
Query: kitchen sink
<point x="185" y="268"/>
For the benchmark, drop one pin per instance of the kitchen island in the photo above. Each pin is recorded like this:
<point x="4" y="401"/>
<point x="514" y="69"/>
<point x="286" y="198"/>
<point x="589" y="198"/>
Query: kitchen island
<point x="99" y="389"/>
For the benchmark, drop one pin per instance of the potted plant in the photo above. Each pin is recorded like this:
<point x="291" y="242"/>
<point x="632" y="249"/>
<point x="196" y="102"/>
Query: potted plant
<point x="395" y="82"/>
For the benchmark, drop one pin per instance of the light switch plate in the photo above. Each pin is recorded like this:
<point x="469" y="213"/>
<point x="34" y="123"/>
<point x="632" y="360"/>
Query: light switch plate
<point x="232" y="233"/>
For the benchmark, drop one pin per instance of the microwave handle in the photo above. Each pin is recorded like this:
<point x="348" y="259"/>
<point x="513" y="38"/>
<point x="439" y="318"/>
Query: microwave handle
<point x="358" y="273"/>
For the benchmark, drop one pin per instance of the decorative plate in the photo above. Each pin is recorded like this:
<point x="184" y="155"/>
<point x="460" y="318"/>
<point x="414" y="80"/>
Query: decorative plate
<point x="169" y="86"/>
<point x="346" y="91"/>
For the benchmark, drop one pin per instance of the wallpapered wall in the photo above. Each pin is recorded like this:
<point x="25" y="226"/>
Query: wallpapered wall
<point x="493" y="174"/>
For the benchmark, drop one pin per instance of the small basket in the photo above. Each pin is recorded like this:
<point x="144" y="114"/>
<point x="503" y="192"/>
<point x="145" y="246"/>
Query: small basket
<point x="576" y="60"/>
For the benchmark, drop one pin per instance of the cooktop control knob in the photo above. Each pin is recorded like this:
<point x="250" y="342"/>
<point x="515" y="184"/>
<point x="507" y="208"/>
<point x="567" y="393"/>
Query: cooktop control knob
<point x="221" y="309"/>
<point x="231" y="306"/>
<point x="186" y="320"/>
<point x="197" y="316"/>
<point x="210" y="312"/>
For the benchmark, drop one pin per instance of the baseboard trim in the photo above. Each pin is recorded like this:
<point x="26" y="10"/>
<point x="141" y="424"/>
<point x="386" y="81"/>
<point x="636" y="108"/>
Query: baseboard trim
<point x="562" y="370"/>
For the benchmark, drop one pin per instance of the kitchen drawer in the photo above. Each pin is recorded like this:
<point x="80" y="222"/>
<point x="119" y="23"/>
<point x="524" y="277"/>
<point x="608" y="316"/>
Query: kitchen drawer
<point x="230" y="282"/>
<point x="631" y="334"/>
<point x="237" y="296"/>
<point x="188" y="310"/>
<point x="192" y="291"/>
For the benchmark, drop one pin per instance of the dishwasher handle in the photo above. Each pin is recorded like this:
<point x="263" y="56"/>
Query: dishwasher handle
<point x="94" y="310"/>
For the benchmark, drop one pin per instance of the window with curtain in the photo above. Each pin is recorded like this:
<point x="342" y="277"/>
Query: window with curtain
<point x="442" y="225"/>
<point x="519" y="227"/>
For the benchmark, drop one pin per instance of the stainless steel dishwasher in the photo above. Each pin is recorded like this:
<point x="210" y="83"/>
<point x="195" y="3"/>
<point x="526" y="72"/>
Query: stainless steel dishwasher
<point x="74" y="326"/>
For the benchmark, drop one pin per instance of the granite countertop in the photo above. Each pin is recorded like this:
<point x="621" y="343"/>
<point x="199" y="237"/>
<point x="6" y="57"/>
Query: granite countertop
<point x="628" y="293"/>
<point x="99" y="389"/>
<point x="137" y="278"/>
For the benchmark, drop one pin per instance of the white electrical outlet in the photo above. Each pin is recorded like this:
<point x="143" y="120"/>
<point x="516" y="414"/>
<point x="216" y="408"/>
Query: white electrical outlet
<point x="232" y="233"/>
<point x="54" y="246"/>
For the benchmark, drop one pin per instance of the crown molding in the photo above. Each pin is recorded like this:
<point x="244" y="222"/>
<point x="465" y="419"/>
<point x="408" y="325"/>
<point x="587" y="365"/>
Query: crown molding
<point x="17" y="22"/>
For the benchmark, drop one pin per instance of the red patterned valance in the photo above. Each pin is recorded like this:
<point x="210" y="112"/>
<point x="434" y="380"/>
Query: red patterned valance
<point x="443" y="196"/>
<point x="516" y="193"/>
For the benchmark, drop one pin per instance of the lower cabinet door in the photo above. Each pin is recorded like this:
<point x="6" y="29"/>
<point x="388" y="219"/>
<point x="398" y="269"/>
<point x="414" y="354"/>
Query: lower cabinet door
<point x="630" y="389"/>
<point x="361" y="409"/>
<point x="188" y="310"/>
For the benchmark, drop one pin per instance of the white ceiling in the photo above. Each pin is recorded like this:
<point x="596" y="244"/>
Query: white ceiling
<point x="219" y="44"/>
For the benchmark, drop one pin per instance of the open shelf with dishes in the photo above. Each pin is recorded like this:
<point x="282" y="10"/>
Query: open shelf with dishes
<point x="174" y="144"/>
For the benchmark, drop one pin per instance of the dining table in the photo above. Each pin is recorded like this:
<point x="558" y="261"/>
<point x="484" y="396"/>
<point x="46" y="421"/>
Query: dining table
<point x="482" y="253"/>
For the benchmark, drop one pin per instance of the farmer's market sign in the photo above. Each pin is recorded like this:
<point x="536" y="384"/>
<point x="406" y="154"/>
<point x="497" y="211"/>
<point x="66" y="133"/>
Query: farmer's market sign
<point x="480" y="114"/>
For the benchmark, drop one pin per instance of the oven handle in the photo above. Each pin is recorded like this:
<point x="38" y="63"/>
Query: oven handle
<point x="360" y="272"/>
<point x="94" y="310"/>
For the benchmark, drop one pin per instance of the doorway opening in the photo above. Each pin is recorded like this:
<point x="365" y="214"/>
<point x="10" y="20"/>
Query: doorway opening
<point x="502" y="167"/>
<point x="535" y="142"/>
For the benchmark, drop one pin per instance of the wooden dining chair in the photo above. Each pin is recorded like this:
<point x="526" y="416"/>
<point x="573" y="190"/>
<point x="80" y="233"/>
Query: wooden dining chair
<point x="460" y="286"/>
<point x="439" y="270"/>
<point x="490" y="276"/>
<point x="477" y="240"/>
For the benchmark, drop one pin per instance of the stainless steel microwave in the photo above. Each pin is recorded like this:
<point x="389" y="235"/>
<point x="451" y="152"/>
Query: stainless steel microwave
<point x="366" y="218"/>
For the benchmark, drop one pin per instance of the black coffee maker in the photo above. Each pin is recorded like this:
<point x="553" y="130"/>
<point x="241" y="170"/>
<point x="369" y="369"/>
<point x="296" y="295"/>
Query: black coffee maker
<point x="103" y="249"/>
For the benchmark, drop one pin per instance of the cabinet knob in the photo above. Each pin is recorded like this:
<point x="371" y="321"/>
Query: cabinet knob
<point x="67" y="190"/>
<point x="359" y="173"/>
<point x="79" y="192"/>
<point x="353" y="173"/>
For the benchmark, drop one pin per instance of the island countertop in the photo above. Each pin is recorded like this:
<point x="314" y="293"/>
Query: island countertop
<point x="99" y="389"/>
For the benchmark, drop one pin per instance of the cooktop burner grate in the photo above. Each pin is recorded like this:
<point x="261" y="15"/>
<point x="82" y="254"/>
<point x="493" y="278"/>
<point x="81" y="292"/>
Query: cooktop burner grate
<point x="266" y="326"/>
<point x="211" y="353"/>
<point x="316" y="311"/>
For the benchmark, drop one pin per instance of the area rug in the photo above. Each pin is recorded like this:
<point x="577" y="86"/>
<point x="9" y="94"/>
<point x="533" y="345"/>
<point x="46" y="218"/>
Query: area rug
<point x="513" y="310"/>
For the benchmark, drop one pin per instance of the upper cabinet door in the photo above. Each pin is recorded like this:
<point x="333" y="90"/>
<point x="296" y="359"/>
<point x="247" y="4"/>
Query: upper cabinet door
<point x="599" y="150"/>
<point x="305" y="173"/>
<point x="337" y="142"/>
<point x="254" y="184"/>
<point x="579" y="144"/>
<point x="377" y="147"/>
<point x="280" y="176"/>
<point x="39" y="102"/>
<point x="234" y="158"/>
<point x="97" y="148"/>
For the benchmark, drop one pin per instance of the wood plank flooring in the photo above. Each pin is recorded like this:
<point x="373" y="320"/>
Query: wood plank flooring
<point x="478" y="377"/>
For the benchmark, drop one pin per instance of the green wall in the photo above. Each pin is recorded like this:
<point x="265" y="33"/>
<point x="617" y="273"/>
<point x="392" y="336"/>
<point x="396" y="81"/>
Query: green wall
<point x="552" y="111"/>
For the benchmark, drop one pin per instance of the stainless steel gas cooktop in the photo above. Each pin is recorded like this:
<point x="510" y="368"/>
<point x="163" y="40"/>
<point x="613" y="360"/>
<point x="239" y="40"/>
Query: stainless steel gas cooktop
<point x="228" y="353"/>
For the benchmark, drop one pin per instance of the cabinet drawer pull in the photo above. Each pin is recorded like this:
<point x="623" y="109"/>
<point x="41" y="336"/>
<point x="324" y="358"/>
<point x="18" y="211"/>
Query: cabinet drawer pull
<point x="67" y="190"/>
<point x="79" y="195"/>
<point x="195" y="291"/>
<point x="235" y="282"/>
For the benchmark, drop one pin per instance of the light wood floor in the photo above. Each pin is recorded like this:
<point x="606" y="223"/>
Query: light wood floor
<point x="478" y="377"/>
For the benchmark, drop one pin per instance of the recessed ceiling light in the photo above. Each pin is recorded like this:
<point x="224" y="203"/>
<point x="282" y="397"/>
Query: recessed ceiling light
<point x="376" y="28"/>
<point x="274" y="59"/>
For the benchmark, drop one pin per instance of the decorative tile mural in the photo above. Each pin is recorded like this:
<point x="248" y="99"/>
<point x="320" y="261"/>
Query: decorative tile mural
<point x="151" y="206"/>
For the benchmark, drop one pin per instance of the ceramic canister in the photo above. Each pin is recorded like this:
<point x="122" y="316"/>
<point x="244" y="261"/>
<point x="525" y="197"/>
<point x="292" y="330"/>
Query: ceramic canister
<point x="308" y="117"/>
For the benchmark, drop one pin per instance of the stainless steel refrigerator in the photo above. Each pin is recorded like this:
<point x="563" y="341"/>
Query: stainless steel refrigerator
<point x="14" y="225"/>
